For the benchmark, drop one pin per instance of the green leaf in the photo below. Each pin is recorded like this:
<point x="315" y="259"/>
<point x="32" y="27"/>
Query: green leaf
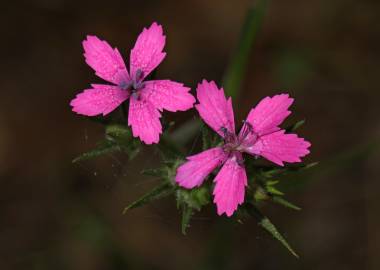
<point x="187" y="213"/>
<point x="158" y="192"/>
<point x="122" y="135"/>
<point x="154" y="172"/>
<point x="282" y="201"/>
<point x="103" y="148"/>
<point x="133" y="151"/>
<point x="235" y="72"/>
<point x="118" y="138"/>
<point x="295" y="126"/>
<point x="267" y="225"/>
<point x="167" y="172"/>
<point x="273" y="171"/>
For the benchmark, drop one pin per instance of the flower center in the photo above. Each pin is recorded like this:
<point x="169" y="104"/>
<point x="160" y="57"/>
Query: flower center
<point x="135" y="84"/>
<point x="233" y="142"/>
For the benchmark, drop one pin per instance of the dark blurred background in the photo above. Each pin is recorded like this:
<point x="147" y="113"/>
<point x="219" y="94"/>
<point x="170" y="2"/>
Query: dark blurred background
<point x="59" y="215"/>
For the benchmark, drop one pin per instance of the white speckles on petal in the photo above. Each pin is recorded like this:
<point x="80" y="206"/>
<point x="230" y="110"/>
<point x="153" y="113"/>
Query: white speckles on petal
<point x="168" y="95"/>
<point x="279" y="147"/>
<point x="197" y="167"/>
<point x="147" y="53"/>
<point x="270" y="113"/>
<point x="106" y="61"/>
<point x="214" y="108"/>
<point x="101" y="99"/>
<point x="144" y="120"/>
<point x="230" y="186"/>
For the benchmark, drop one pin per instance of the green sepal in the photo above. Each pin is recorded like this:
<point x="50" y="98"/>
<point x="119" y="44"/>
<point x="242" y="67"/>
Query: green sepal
<point x="119" y="132"/>
<point x="260" y="194"/>
<point x="270" y="188"/>
<point x="189" y="201"/>
<point x="194" y="198"/>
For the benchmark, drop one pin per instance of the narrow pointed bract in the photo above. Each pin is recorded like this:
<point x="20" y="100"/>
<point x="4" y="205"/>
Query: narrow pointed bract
<point x="147" y="98"/>
<point x="260" y="135"/>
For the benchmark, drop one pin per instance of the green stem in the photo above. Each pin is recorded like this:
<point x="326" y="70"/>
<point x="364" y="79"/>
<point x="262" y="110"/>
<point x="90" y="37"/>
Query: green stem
<point x="236" y="70"/>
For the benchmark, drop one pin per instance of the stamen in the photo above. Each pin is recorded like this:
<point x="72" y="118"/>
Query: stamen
<point x="135" y="84"/>
<point x="139" y="75"/>
<point x="125" y="85"/>
<point x="224" y="130"/>
<point x="138" y="85"/>
<point x="240" y="161"/>
<point x="228" y="136"/>
<point x="246" y="129"/>
<point x="136" y="95"/>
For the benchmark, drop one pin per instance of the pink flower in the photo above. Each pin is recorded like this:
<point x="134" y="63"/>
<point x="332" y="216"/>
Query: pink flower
<point x="147" y="98"/>
<point x="259" y="136"/>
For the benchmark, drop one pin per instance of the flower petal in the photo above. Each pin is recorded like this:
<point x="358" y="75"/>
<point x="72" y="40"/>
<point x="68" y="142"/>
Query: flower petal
<point x="168" y="95"/>
<point x="145" y="120"/>
<point x="101" y="99"/>
<point x="107" y="62"/>
<point x="147" y="53"/>
<point x="214" y="108"/>
<point x="193" y="172"/>
<point x="230" y="185"/>
<point x="269" y="113"/>
<point x="279" y="147"/>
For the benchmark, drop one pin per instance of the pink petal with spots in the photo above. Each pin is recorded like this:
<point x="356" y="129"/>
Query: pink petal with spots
<point x="270" y="113"/>
<point x="214" y="108"/>
<point x="145" y="120"/>
<point x="102" y="99"/>
<point x="148" y="53"/>
<point x="168" y="95"/>
<point x="279" y="147"/>
<point x="230" y="186"/>
<point x="193" y="172"/>
<point x="106" y="61"/>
